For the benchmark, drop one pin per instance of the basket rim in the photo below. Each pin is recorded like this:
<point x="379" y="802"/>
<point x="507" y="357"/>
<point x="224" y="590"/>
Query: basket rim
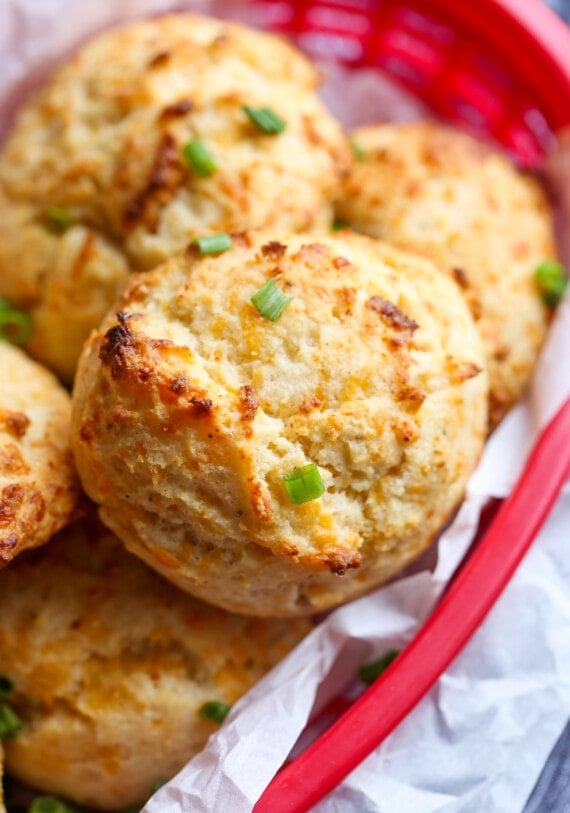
<point x="528" y="34"/>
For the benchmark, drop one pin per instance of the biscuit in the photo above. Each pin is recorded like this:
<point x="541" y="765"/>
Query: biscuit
<point x="110" y="665"/>
<point x="190" y="408"/>
<point x="103" y="142"/>
<point x="39" y="492"/>
<point x="435" y="190"/>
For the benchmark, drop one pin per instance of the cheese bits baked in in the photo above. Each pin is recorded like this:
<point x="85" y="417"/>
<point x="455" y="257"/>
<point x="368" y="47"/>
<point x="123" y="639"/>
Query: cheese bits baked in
<point x="111" y="667"/>
<point x="282" y="455"/>
<point x="437" y="191"/>
<point x="39" y="492"/>
<point x="153" y="134"/>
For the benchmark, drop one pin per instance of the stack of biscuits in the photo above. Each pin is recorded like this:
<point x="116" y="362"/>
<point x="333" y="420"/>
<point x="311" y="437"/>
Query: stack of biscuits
<point x="264" y="356"/>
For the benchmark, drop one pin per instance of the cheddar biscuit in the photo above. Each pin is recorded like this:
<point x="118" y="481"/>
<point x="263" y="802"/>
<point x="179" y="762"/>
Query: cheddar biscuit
<point x="110" y="666"/>
<point x="38" y="486"/>
<point x="435" y="190"/>
<point x="151" y="135"/>
<point x="192" y="410"/>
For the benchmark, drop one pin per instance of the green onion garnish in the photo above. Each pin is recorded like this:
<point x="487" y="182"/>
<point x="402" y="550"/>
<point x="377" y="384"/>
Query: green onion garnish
<point x="266" y="119"/>
<point x="358" y="152"/>
<point x="551" y="279"/>
<point x="215" y="711"/>
<point x="51" y="804"/>
<point x="158" y="784"/>
<point x="371" y="671"/>
<point x="270" y="301"/>
<point x="304" y="484"/>
<point x="10" y="723"/>
<point x="197" y="156"/>
<point x="58" y="220"/>
<point x="5" y="686"/>
<point x="337" y="225"/>
<point x="15" y="326"/>
<point x="213" y="244"/>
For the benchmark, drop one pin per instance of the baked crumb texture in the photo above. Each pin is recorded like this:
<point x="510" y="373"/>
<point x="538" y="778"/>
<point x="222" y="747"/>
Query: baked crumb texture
<point x="39" y="492"/>
<point x="110" y="665"/>
<point x="437" y="191"/>
<point x="190" y="407"/>
<point x="104" y="143"/>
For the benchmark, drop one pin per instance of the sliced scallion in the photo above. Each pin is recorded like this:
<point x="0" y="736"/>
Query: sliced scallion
<point x="51" y="804"/>
<point x="270" y="301"/>
<point x="370" y="671"/>
<point x="337" y="225"/>
<point x="58" y="220"/>
<point x="358" y="151"/>
<point x="213" y="243"/>
<point x="10" y="723"/>
<point x="215" y="711"/>
<point x="551" y="280"/>
<point x="304" y="484"/>
<point x="15" y="326"/>
<point x="265" y="119"/>
<point x="197" y="156"/>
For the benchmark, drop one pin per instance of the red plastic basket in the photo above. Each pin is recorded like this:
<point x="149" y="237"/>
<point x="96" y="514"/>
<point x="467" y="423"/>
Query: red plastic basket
<point x="500" y="69"/>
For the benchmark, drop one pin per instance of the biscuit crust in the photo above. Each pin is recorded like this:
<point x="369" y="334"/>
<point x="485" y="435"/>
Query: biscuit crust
<point x="432" y="189"/>
<point x="104" y="143"/>
<point x="110" y="665"/>
<point x="39" y="492"/>
<point x="190" y="407"/>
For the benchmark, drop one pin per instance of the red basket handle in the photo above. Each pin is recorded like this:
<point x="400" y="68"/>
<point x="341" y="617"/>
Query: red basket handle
<point x="470" y="597"/>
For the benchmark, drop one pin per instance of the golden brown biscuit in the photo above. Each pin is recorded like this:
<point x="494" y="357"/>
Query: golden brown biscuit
<point x="38" y="487"/>
<point x="104" y="142"/>
<point x="110" y="665"/>
<point x="437" y="191"/>
<point x="190" y="408"/>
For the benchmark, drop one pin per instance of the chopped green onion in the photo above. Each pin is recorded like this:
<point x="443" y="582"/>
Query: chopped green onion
<point x="10" y="723"/>
<point x="15" y="326"/>
<point x="215" y="711"/>
<point x="58" y="220"/>
<point x="132" y="809"/>
<point x="371" y="671"/>
<point x="358" y="151"/>
<point x="158" y="784"/>
<point x="551" y="279"/>
<point x="5" y="305"/>
<point x="270" y="301"/>
<point x="51" y="804"/>
<point x="337" y="225"/>
<point x="5" y="686"/>
<point x="266" y="119"/>
<point x="197" y="156"/>
<point x="213" y="244"/>
<point x="304" y="484"/>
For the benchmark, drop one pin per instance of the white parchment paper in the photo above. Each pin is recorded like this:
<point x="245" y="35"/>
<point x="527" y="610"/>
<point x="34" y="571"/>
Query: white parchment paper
<point x="477" y="742"/>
